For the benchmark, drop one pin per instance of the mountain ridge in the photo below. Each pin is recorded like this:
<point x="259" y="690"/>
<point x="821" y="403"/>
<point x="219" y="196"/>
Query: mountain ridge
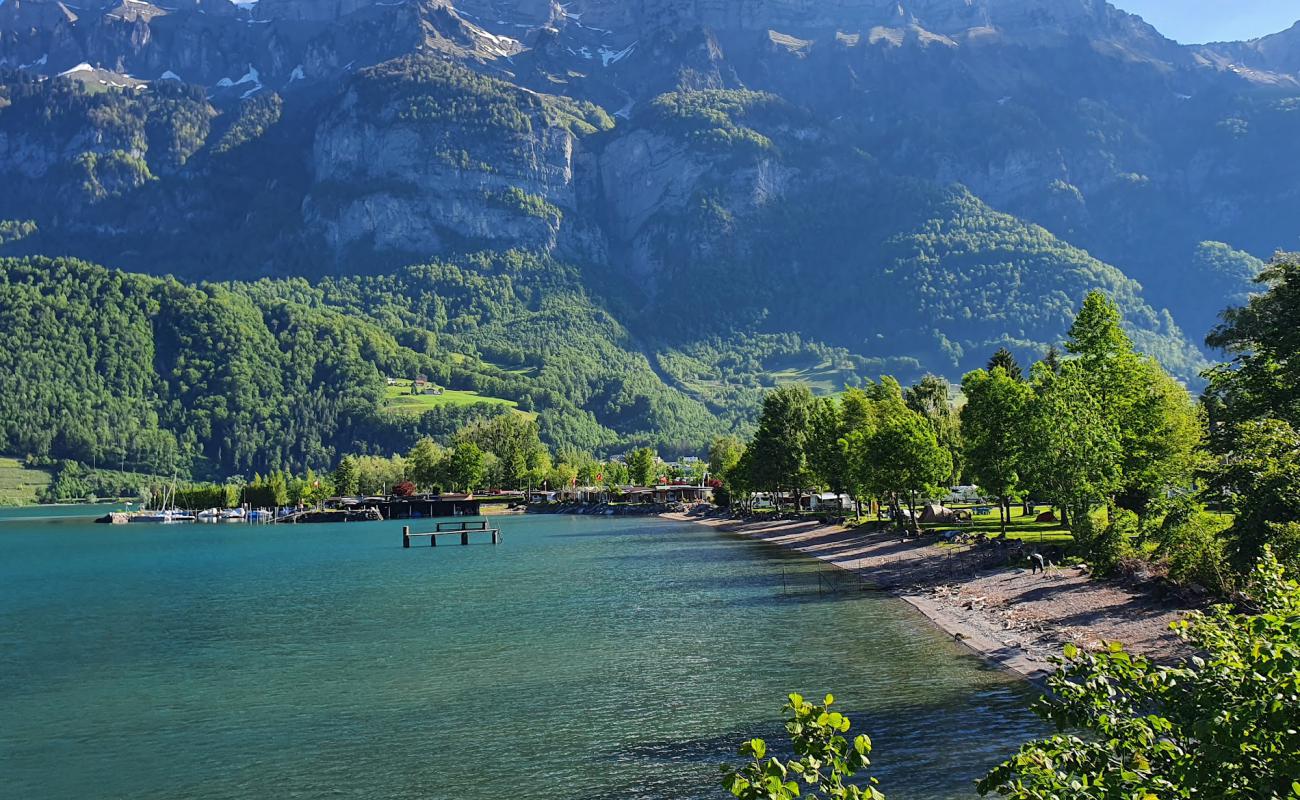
<point x="908" y="184"/>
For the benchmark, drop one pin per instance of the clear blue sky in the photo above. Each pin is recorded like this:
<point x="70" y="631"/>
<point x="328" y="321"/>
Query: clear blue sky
<point x="1199" y="21"/>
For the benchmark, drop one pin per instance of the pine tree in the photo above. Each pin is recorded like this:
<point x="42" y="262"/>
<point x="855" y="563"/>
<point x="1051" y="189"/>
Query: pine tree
<point x="1007" y="361"/>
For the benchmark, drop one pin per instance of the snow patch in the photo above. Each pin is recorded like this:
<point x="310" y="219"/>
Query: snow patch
<point x="252" y="76"/>
<point x="245" y="3"/>
<point x="225" y="83"/>
<point x="40" y="62"/>
<point x="170" y="76"/>
<point x="608" y="56"/>
<point x="297" y="74"/>
<point x="82" y="67"/>
<point x="626" y="111"/>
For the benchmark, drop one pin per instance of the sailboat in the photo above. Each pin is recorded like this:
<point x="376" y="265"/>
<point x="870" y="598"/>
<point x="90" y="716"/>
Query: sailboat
<point x="164" y="516"/>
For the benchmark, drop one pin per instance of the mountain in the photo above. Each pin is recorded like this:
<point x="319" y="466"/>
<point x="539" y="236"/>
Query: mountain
<point x="906" y="185"/>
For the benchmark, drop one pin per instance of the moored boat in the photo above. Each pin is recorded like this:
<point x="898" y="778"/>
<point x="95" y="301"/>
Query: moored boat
<point x="162" y="517"/>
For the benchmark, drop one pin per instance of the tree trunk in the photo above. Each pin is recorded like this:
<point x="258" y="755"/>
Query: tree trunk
<point x="1003" y="512"/>
<point x="1065" y="517"/>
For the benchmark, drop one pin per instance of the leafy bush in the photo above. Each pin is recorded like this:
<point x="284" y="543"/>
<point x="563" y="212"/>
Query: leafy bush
<point x="1193" y="545"/>
<point x="1221" y="725"/>
<point x="824" y="759"/>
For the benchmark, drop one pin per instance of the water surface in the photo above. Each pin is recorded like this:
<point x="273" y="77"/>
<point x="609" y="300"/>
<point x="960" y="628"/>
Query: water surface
<point x="581" y="658"/>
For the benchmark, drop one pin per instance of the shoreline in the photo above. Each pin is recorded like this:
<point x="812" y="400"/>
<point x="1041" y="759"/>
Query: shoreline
<point x="1007" y="615"/>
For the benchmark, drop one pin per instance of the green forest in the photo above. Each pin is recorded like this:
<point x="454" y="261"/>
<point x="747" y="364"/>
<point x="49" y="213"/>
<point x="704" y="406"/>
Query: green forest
<point x="150" y="375"/>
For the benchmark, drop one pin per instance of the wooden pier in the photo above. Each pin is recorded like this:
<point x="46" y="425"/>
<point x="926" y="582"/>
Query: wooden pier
<point x="461" y="529"/>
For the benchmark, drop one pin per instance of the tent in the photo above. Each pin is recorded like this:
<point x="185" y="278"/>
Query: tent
<point x="940" y="514"/>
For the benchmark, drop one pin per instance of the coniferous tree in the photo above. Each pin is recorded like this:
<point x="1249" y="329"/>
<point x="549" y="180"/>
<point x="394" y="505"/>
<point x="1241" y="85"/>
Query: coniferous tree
<point x="1007" y="361"/>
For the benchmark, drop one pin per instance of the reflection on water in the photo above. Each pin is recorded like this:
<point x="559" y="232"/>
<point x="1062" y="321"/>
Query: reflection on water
<point x="581" y="658"/>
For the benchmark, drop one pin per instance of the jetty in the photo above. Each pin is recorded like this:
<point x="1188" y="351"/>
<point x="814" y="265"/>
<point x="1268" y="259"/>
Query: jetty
<point x="332" y="515"/>
<point x="461" y="529"/>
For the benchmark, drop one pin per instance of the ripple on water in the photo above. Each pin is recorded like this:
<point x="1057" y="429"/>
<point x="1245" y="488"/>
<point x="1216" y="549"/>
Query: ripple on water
<point x="582" y="658"/>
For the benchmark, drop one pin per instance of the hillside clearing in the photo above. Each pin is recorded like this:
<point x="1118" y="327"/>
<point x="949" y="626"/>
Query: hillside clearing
<point x="20" y="485"/>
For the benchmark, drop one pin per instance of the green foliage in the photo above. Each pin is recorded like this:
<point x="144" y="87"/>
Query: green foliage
<point x="1221" y="724"/>
<point x="255" y="117"/>
<point x="1071" y="446"/>
<point x="824" y="759"/>
<point x="425" y="464"/>
<point x="1159" y="426"/>
<point x="903" y="456"/>
<point x="991" y="427"/>
<point x="466" y="467"/>
<point x="1224" y="279"/>
<point x="75" y="481"/>
<point x="529" y="204"/>
<point x="1004" y="359"/>
<point x="778" y="453"/>
<point x="931" y="397"/>
<point x="347" y="476"/>
<point x="1254" y="415"/>
<point x="642" y="466"/>
<point x="376" y="475"/>
<point x="1261" y="479"/>
<point x="521" y="458"/>
<point x="269" y="492"/>
<point x="200" y="497"/>
<point x="577" y="117"/>
<point x="714" y="120"/>
<point x="110" y="174"/>
<point x="436" y="92"/>
<point x="959" y="278"/>
<point x="828" y="459"/>
<point x="151" y="375"/>
<point x="21" y="484"/>
<point x="1193" y="544"/>
<point x="15" y="230"/>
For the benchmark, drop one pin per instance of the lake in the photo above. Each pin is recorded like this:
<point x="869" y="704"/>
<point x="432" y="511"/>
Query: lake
<point x="581" y="658"/>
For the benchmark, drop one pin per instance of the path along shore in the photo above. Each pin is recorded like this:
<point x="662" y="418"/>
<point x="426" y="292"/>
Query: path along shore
<point x="1014" y="618"/>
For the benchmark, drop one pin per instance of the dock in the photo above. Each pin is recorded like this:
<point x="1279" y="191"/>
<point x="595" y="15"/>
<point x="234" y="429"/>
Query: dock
<point x="461" y="529"/>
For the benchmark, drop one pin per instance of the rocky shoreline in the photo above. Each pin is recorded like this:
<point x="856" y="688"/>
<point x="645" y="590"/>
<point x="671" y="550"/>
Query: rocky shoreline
<point x="1014" y="618"/>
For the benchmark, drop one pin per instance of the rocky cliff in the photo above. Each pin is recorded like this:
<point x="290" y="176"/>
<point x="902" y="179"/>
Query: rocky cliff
<point x="703" y="161"/>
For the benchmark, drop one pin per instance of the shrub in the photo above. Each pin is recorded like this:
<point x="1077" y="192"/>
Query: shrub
<point x="1193" y="546"/>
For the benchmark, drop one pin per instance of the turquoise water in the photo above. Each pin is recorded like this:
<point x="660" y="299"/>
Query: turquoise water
<point x="581" y="658"/>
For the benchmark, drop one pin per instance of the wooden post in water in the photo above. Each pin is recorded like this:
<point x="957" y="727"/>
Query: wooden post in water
<point x="433" y="540"/>
<point x="496" y="536"/>
<point x="464" y="537"/>
<point x="406" y="536"/>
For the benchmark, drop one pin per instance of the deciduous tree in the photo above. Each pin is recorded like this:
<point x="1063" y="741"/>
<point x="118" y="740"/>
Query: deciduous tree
<point x="993" y="425"/>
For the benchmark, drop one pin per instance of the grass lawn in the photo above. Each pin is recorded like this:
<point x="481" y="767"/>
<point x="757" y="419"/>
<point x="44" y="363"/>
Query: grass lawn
<point x="823" y="378"/>
<point x="1020" y="526"/>
<point x="18" y="484"/>
<point x="399" y="399"/>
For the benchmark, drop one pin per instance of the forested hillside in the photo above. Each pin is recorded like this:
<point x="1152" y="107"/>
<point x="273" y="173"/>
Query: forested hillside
<point x="629" y="226"/>
<point x="152" y="375"/>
